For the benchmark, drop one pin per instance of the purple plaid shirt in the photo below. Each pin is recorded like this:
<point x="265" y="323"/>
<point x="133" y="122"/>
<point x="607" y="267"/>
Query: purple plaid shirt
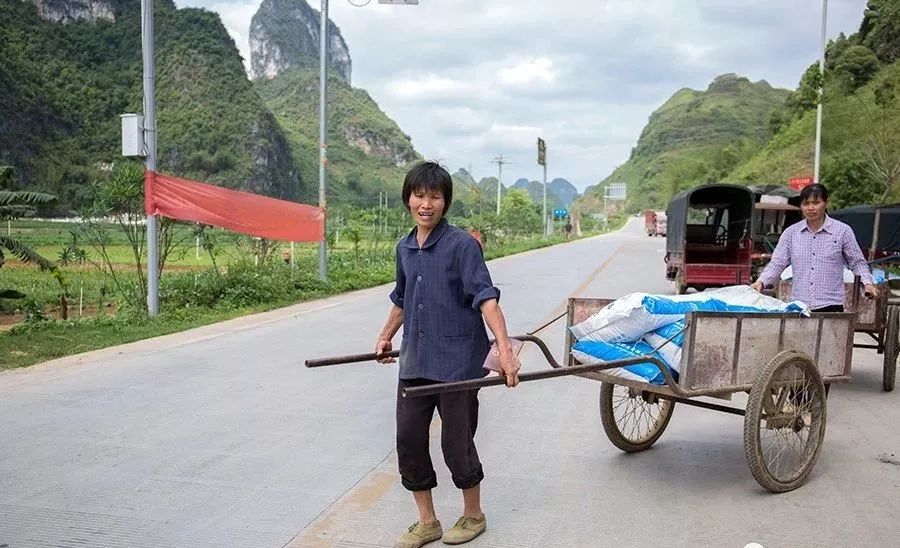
<point x="817" y="260"/>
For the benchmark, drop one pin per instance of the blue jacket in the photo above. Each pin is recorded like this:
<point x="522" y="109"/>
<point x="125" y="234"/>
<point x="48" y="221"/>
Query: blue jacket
<point x="440" y="288"/>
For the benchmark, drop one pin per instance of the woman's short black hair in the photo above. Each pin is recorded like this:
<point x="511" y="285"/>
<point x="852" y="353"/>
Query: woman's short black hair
<point x="814" y="191"/>
<point x="428" y="176"/>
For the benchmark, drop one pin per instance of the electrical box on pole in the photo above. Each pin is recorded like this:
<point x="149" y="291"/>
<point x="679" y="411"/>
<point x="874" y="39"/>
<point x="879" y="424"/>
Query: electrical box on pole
<point x="133" y="135"/>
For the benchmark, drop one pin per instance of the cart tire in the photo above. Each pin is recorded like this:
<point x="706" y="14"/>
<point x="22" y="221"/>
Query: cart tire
<point x="631" y="422"/>
<point x="787" y="404"/>
<point x="891" y="347"/>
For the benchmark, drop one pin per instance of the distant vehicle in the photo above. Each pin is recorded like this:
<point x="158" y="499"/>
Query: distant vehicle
<point x="711" y="240"/>
<point x="650" y="222"/>
<point x="661" y="222"/>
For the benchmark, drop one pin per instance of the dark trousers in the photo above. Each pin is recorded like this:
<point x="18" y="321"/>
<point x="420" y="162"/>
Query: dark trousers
<point x="832" y="308"/>
<point x="459" y="420"/>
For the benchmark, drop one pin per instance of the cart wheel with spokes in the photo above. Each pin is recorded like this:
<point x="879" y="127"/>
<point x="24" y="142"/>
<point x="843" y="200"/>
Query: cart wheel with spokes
<point x="633" y="419"/>
<point x="891" y="347"/>
<point x="784" y="424"/>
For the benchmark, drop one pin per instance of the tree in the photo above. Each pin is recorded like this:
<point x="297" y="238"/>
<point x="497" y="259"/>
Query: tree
<point x="880" y="29"/>
<point x="807" y="95"/>
<point x="120" y="199"/>
<point x="518" y="212"/>
<point x="855" y="67"/>
<point x="848" y="180"/>
<point x="882" y="152"/>
<point x="15" y="205"/>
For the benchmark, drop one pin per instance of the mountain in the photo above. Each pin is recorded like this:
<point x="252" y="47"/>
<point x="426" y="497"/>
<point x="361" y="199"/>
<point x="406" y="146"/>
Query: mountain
<point x="536" y="191"/>
<point x="367" y="151"/>
<point x="696" y="137"/>
<point x="564" y="190"/>
<point x="68" y="11"/>
<point x="464" y="176"/>
<point x="68" y="68"/>
<point x="284" y="34"/>
<point x="861" y="118"/>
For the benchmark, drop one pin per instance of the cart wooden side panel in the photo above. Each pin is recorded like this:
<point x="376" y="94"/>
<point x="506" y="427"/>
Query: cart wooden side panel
<point x="578" y="310"/>
<point x="871" y="313"/>
<point x="726" y="352"/>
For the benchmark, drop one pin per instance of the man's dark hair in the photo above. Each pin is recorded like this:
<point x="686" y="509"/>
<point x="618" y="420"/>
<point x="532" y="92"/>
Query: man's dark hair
<point x="428" y="176"/>
<point x="814" y="191"/>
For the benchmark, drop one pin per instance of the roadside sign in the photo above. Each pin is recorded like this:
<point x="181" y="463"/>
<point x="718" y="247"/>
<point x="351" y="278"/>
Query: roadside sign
<point x="542" y="152"/>
<point x="799" y="183"/>
<point x="616" y="191"/>
<point x="560" y="213"/>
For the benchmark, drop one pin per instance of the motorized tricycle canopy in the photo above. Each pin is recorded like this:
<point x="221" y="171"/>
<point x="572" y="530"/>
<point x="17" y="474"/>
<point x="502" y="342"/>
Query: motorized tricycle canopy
<point x="709" y="213"/>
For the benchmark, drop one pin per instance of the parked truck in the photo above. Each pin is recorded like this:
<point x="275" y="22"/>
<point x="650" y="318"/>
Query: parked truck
<point x="650" y="222"/>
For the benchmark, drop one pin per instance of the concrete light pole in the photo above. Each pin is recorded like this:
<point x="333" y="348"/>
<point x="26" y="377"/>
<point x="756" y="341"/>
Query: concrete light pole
<point x="821" y="97"/>
<point x="323" y="125"/>
<point x="150" y="142"/>
<point x="323" y="122"/>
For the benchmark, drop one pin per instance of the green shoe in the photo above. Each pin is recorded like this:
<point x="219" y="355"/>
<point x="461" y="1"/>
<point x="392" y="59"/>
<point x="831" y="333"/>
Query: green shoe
<point x="465" y="530"/>
<point x="419" y="535"/>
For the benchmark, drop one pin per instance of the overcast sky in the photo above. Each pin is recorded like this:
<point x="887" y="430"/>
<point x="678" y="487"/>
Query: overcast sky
<point x="469" y="80"/>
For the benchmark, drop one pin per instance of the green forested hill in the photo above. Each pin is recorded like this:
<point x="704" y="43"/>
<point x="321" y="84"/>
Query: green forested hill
<point x="63" y="87"/>
<point x="861" y="117"/>
<point x="697" y="136"/>
<point x="367" y="151"/>
<point x="748" y="133"/>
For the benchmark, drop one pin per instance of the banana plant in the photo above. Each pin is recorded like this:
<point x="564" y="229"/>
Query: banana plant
<point x="13" y="205"/>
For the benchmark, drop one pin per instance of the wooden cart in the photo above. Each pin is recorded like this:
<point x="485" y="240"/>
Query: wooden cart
<point x="785" y="363"/>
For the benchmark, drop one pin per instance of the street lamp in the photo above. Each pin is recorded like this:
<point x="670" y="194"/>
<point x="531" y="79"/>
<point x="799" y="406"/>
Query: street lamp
<point x="149" y="71"/>
<point x="821" y="97"/>
<point x="323" y="97"/>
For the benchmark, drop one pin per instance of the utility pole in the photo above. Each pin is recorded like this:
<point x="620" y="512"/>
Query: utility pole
<point x="542" y="160"/>
<point x="545" y="200"/>
<point x="323" y="125"/>
<point x="821" y="97"/>
<point x="500" y="162"/>
<point x="149" y="63"/>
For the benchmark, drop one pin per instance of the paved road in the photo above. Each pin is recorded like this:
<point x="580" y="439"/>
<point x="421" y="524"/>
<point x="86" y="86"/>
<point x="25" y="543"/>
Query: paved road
<point x="220" y="437"/>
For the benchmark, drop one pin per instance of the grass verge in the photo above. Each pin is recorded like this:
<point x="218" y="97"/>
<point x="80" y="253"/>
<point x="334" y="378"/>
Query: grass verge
<point x="28" y="344"/>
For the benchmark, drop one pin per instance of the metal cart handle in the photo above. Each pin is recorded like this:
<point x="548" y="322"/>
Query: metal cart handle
<point x="356" y="358"/>
<point x="459" y="386"/>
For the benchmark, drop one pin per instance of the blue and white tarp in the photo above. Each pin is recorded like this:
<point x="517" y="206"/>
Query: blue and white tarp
<point x="668" y="341"/>
<point x="640" y="323"/>
<point x="629" y="318"/>
<point x="593" y="351"/>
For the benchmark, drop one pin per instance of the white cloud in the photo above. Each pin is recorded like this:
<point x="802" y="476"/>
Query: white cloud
<point x="431" y="87"/>
<point x="529" y="72"/>
<point x="512" y="136"/>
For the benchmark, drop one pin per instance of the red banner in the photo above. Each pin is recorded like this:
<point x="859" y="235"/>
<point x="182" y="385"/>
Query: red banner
<point x="234" y="210"/>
